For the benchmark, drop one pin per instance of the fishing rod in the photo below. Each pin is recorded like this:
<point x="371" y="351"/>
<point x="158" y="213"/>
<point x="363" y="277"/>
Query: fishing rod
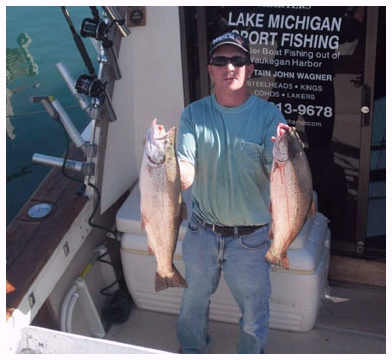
<point x="95" y="13"/>
<point x="99" y="29"/>
<point x="91" y="84"/>
<point x="79" y="43"/>
<point x="86" y="84"/>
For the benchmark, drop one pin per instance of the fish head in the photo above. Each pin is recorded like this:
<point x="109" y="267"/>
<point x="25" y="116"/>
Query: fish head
<point x="287" y="145"/>
<point x="155" y="145"/>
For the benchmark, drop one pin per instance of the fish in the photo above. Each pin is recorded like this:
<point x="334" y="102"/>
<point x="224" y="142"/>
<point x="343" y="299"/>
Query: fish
<point x="291" y="200"/>
<point x="162" y="207"/>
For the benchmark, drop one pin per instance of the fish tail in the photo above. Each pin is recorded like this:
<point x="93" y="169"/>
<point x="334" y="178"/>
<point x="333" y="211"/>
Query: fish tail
<point x="162" y="283"/>
<point x="280" y="260"/>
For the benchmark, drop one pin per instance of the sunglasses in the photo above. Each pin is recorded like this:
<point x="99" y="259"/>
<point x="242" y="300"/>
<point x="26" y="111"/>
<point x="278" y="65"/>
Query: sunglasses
<point x="236" y="61"/>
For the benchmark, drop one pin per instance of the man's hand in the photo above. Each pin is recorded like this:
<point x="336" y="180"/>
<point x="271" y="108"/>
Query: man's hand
<point x="187" y="174"/>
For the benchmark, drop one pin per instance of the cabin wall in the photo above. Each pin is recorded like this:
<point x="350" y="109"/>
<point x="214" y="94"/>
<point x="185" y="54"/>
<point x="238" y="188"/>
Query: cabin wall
<point x="151" y="87"/>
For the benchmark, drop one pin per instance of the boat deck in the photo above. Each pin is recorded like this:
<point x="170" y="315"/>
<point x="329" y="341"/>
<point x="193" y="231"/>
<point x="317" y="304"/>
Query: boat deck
<point x="352" y="320"/>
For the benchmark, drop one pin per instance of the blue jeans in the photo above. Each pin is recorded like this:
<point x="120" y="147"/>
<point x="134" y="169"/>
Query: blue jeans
<point x="206" y="254"/>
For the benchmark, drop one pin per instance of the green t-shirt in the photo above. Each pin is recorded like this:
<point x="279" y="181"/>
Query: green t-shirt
<point x="231" y="149"/>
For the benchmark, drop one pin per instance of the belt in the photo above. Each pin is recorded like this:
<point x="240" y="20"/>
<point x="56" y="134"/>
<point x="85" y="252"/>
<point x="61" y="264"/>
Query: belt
<point x="233" y="230"/>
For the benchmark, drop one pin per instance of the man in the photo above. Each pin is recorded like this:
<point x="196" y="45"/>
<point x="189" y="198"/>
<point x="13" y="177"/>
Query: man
<point x="225" y="151"/>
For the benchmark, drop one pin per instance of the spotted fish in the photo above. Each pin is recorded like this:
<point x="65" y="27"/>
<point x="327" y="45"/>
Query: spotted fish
<point x="161" y="204"/>
<point x="291" y="195"/>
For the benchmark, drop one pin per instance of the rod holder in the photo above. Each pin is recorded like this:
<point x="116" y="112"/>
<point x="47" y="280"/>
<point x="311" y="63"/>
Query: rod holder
<point x="103" y="103"/>
<point x="81" y="167"/>
<point x="72" y="131"/>
<point x="113" y="14"/>
<point x="57" y="112"/>
<point x="70" y="81"/>
<point x="110" y="59"/>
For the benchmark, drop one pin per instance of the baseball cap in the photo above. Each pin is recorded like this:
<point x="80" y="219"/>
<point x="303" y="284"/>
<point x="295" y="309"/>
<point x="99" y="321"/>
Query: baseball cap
<point x="230" y="38"/>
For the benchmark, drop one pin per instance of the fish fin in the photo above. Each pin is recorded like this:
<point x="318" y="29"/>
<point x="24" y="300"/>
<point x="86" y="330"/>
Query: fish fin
<point x="285" y="261"/>
<point x="273" y="169"/>
<point x="142" y="221"/>
<point x="312" y="209"/>
<point x="162" y="283"/>
<point x="281" y="260"/>
<point x="270" y="234"/>
<point x="184" y="212"/>
<point x="151" y="252"/>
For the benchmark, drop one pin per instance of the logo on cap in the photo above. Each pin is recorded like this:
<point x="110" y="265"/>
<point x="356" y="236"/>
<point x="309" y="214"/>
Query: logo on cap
<point x="229" y="39"/>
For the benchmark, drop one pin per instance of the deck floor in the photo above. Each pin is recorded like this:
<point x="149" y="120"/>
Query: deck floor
<point x="351" y="321"/>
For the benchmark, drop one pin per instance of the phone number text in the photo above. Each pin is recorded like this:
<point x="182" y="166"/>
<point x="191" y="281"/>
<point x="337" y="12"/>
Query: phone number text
<point x="309" y="110"/>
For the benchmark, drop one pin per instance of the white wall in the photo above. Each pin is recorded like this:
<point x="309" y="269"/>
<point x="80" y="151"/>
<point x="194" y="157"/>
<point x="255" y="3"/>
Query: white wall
<point x="151" y="87"/>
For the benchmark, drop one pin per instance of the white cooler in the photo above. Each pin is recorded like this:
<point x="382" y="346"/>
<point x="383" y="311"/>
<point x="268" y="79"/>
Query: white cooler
<point x="296" y="293"/>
